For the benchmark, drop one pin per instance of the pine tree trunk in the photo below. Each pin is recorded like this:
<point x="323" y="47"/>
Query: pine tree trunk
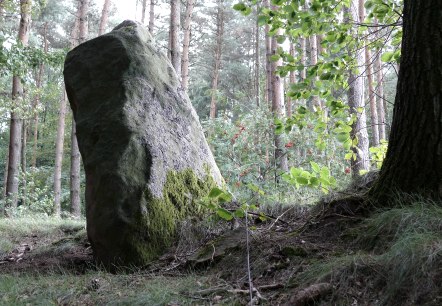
<point x="414" y="158"/>
<point x="268" y="41"/>
<point x="174" y="34"/>
<point x="186" y="45"/>
<point x="143" y="11"/>
<point x="37" y="101"/>
<point x="380" y="93"/>
<point x="105" y="15"/>
<point x="257" y="55"/>
<point x="151" y="16"/>
<point x="217" y="57"/>
<point x="278" y="106"/>
<point x="356" y="102"/>
<point x="315" y="103"/>
<point x="83" y="9"/>
<point x="23" y="161"/>
<point x="292" y="80"/>
<point x="59" y="155"/>
<point x="16" y="122"/>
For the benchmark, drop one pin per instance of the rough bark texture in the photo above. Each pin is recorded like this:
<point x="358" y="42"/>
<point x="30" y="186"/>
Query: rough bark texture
<point x="145" y="156"/>
<point x="174" y="35"/>
<point x="278" y="106"/>
<point x="15" y="134"/>
<point x="217" y="57"/>
<point x="105" y="15"/>
<point x="186" y="45"/>
<point x="356" y="101"/>
<point x="414" y="158"/>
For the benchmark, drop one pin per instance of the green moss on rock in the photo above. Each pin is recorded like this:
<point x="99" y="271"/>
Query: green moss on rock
<point x="158" y="225"/>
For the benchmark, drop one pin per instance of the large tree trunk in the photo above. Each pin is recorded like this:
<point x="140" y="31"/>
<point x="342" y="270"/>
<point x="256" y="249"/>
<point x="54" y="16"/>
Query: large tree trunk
<point x="174" y="34"/>
<point x="75" y="153"/>
<point x="414" y="158"/>
<point x="151" y="16"/>
<point x="186" y="45"/>
<point x="15" y="135"/>
<point x="217" y="57"/>
<point x="356" y="102"/>
<point x="278" y="106"/>
<point x="105" y="15"/>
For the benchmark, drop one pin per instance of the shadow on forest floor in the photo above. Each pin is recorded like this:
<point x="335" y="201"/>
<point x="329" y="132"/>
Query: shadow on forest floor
<point x="392" y="257"/>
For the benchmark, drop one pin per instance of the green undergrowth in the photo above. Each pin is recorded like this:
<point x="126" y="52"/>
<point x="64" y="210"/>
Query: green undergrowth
<point x="395" y="259"/>
<point x="14" y="231"/>
<point x="97" y="288"/>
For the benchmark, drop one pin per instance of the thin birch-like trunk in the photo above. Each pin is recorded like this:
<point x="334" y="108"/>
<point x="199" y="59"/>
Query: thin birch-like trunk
<point x="186" y="45"/>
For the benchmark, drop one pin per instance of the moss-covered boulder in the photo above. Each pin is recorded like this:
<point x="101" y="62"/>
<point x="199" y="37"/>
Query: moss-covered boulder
<point x="144" y="152"/>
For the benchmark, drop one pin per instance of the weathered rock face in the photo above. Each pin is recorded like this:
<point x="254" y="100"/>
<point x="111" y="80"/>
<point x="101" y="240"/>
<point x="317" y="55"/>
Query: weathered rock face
<point x="144" y="152"/>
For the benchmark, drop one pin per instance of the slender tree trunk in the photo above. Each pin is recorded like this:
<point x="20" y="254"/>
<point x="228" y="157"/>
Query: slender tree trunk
<point x="316" y="103"/>
<point x="257" y="55"/>
<point x="151" y="16"/>
<point x="174" y="34"/>
<point x="83" y="9"/>
<point x="16" y="122"/>
<point x="186" y="45"/>
<point x="355" y="102"/>
<point x="278" y="106"/>
<point x="5" y="176"/>
<point x="414" y="158"/>
<point x="217" y="57"/>
<point x="380" y="94"/>
<point x="23" y="160"/>
<point x="105" y="15"/>
<point x="59" y="155"/>
<point x="37" y="101"/>
<point x="143" y="11"/>
<point x="268" y="42"/>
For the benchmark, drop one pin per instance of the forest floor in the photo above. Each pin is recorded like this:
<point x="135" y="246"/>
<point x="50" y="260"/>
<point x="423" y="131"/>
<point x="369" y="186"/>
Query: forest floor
<point x="304" y="257"/>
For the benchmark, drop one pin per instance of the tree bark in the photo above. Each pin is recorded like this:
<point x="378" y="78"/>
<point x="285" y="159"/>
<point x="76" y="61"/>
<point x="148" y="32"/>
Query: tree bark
<point x="278" y="106"/>
<point x="380" y="93"/>
<point x="37" y="101"/>
<point x="151" y="16"/>
<point x="257" y="61"/>
<point x="414" y="158"/>
<point x="268" y="42"/>
<point x="356" y="103"/>
<point x="59" y="155"/>
<point x="217" y="57"/>
<point x="292" y="80"/>
<point x="174" y="34"/>
<point x="16" y="122"/>
<point x="83" y="9"/>
<point x="186" y="45"/>
<point x="105" y="16"/>
<point x="143" y="11"/>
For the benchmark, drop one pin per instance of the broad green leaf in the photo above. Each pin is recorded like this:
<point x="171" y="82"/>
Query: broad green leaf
<point x="224" y="214"/>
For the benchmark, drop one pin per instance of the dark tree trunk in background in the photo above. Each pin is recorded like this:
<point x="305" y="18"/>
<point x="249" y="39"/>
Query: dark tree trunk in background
<point x="15" y="135"/>
<point x="414" y="159"/>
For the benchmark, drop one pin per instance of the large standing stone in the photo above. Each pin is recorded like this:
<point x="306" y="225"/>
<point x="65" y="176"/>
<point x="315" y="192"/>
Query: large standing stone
<point x="144" y="152"/>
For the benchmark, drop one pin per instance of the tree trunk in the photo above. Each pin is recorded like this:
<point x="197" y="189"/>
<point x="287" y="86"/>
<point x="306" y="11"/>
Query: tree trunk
<point x="414" y="158"/>
<point x="143" y="11"/>
<point x="268" y="41"/>
<point x="83" y="9"/>
<point x="16" y="122"/>
<point x="105" y="15"/>
<point x="151" y="16"/>
<point x="186" y="45"/>
<point x="217" y="57"/>
<point x="292" y="80"/>
<point x="37" y="101"/>
<point x="278" y="106"/>
<point x="23" y="160"/>
<point x="174" y="34"/>
<point x="380" y="94"/>
<point x="257" y="55"/>
<point x="355" y="102"/>
<point x="59" y="155"/>
<point x="316" y="103"/>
